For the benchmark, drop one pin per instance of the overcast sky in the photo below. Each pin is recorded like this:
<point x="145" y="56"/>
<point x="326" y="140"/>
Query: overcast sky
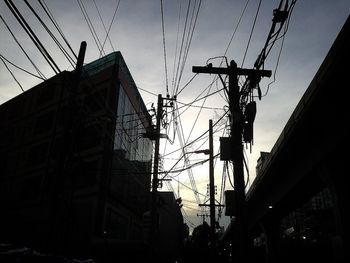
<point x="137" y="32"/>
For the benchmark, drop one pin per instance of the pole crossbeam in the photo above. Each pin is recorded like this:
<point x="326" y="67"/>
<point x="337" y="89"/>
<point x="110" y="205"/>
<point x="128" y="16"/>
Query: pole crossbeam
<point x="226" y="71"/>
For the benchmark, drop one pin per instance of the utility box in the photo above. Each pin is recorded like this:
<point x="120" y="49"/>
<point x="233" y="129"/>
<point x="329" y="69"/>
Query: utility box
<point x="230" y="203"/>
<point x="226" y="149"/>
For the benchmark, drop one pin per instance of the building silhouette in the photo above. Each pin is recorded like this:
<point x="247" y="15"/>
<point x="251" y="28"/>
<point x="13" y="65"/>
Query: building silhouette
<point x="75" y="166"/>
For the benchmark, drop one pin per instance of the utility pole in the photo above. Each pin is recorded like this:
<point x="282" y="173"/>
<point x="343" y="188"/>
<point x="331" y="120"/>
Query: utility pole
<point x="154" y="212"/>
<point x="211" y="186"/>
<point x="212" y="204"/>
<point x="237" y="123"/>
<point x="61" y="204"/>
<point x="156" y="135"/>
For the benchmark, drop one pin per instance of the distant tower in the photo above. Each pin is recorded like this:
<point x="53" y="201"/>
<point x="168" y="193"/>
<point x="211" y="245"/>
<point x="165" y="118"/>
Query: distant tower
<point x="260" y="162"/>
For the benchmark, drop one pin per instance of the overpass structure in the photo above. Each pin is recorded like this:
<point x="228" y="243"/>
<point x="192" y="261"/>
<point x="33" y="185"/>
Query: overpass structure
<point x="297" y="207"/>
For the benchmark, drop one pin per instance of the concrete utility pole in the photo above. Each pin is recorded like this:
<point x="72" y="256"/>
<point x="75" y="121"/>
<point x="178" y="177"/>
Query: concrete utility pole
<point x="211" y="185"/>
<point x="154" y="212"/>
<point x="61" y="208"/>
<point x="156" y="135"/>
<point x="212" y="204"/>
<point x="237" y="122"/>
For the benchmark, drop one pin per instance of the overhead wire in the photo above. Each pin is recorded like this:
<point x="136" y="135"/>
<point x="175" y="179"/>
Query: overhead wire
<point x="32" y="36"/>
<point x="91" y="27"/>
<point x="110" y="26"/>
<point x="286" y="26"/>
<point x="199" y="137"/>
<point x="196" y="106"/>
<point x="279" y="18"/>
<point x="187" y="84"/>
<point x="197" y="117"/>
<point x="201" y="98"/>
<point x="149" y="92"/>
<point x="186" y="186"/>
<point x="164" y="48"/>
<point x="187" y="165"/>
<point x="20" y="46"/>
<point x="65" y="53"/>
<point x="20" y="68"/>
<point x="199" y="147"/>
<point x="236" y="27"/>
<point x="181" y="47"/>
<point x="186" y="161"/>
<point x="225" y="53"/>
<point x="188" y="42"/>
<point x="184" y="213"/>
<point x="230" y="42"/>
<point x="176" y="49"/>
<point x="54" y="22"/>
<point x="13" y="76"/>
<point x="104" y="26"/>
<point x="251" y="33"/>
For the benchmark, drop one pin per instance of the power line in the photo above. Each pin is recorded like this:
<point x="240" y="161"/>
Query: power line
<point x="187" y="84"/>
<point x="54" y="22"/>
<point x="25" y="53"/>
<point x="201" y="107"/>
<point x="279" y="17"/>
<point x="186" y="186"/>
<point x="188" y="41"/>
<point x="32" y="35"/>
<point x="103" y="24"/>
<point x="197" y="117"/>
<point x="164" y="48"/>
<point x="91" y="27"/>
<point x="182" y="42"/>
<point x="281" y="47"/>
<point x="110" y="26"/>
<point x="65" y="53"/>
<point x="199" y="137"/>
<point x="147" y="91"/>
<point x="235" y="30"/>
<point x="13" y="76"/>
<point x="251" y="33"/>
<point x="176" y="48"/>
<point x="22" y="69"/>
<point x="201" y="98"/>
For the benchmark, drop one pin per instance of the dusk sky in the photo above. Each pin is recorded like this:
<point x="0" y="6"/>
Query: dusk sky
<point x="137" y="33"/>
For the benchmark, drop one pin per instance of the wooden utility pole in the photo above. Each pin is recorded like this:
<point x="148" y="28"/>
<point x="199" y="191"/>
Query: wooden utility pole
<point x="237" y="122"/>
<point x="211" y="186"/>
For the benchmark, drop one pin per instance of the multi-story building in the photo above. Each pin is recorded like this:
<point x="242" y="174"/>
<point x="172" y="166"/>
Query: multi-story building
<point x="75" y="167"/>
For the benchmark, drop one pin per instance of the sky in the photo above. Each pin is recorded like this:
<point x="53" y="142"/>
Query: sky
<point x="137" y="32"/>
